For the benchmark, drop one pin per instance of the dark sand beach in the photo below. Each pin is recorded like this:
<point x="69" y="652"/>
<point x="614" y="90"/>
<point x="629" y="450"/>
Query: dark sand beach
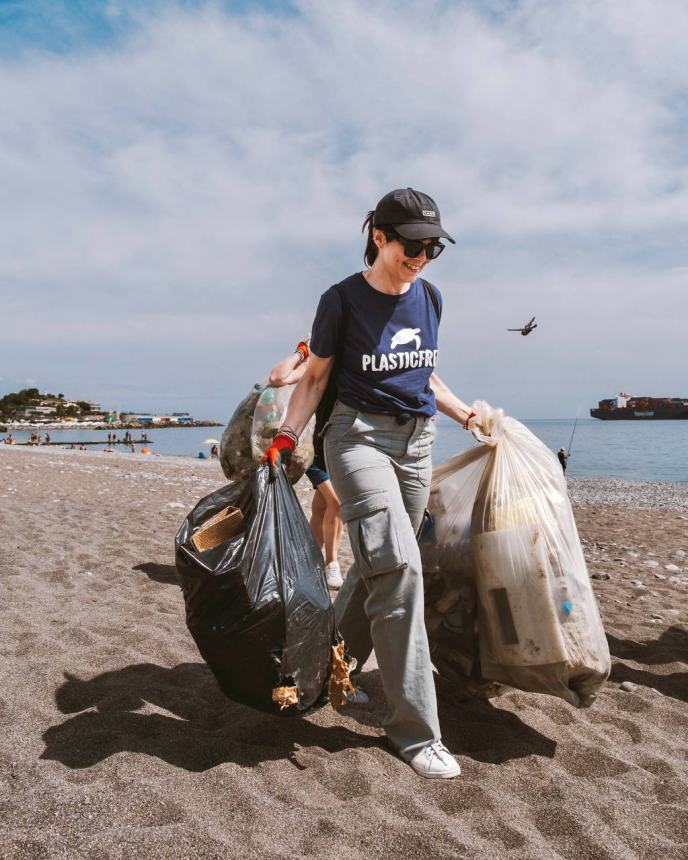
<point x="117" y="743"/>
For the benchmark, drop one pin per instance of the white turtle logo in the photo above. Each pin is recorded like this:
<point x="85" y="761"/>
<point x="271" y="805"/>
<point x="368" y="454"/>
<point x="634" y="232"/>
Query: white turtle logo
<point x="406" y="335"/>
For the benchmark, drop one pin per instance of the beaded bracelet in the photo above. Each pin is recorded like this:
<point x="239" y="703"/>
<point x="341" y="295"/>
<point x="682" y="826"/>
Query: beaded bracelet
<point x="289" y="432"/>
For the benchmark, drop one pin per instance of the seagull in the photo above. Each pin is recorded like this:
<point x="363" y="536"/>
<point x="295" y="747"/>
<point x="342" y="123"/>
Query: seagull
<point x="527" y="328"/>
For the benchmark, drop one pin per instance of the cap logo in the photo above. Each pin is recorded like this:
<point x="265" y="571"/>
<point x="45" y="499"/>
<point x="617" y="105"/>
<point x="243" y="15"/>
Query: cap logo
<point x="429" y="213"/>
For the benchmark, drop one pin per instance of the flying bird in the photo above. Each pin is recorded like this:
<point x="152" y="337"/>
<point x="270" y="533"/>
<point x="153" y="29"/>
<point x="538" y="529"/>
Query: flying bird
<point x="527" y="328"/>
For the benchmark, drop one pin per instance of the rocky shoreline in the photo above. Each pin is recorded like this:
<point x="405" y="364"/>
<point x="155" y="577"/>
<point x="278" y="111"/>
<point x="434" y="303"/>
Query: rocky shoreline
<point x="658" y="495"/>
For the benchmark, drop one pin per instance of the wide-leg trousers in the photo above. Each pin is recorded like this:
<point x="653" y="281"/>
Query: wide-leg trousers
<point x="381" y="471"/>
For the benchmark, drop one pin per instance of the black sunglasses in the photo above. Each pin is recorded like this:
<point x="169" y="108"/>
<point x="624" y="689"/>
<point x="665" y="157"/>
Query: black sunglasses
<point x="414" y="247"/>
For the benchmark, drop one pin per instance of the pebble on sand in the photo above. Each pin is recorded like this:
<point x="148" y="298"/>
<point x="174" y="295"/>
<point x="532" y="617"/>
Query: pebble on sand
<point x="628" y="686"/>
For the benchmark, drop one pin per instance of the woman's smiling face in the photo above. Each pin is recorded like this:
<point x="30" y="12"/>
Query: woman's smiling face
<point x="398" y="266"/>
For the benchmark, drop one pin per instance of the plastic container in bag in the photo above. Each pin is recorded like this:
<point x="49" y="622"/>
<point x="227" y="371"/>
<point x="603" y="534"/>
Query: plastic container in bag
<point x="251" y="428"/>
<point x="257" y="603"/>
<point x="268" y="415"/>
<point x="538" y="621"/>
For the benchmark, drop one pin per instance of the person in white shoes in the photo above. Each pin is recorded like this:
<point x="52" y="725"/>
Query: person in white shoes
<point x="326" y="522"/>
<point x="434" y="762"/>
<point x="373" y="353"/>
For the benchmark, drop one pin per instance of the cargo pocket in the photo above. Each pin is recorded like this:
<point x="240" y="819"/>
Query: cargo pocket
<point x="373" y="533"/>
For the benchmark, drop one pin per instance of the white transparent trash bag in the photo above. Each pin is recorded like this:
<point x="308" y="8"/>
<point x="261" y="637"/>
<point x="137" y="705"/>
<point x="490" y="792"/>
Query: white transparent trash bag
<point x="539" y="625"/>
<point x="268" y="416"/>
<point x="449" y="576"/>
<point x="250" y="430"/>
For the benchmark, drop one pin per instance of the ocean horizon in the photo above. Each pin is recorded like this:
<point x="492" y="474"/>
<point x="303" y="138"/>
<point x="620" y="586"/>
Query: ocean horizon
<point x="629" y="450"/>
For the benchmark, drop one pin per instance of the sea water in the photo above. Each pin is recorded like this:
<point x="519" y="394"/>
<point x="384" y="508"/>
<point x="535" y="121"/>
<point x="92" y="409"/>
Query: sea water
<point x="633" y="450"/>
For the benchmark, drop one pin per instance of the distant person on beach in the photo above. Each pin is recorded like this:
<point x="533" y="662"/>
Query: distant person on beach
<point x="213" y="452"/>
<point x="47" y="438"/>
<point x="326" y="522"/>
<point x="9" y="440"/>
<point x="563" y="457"/>
<point x="380" y="328"/>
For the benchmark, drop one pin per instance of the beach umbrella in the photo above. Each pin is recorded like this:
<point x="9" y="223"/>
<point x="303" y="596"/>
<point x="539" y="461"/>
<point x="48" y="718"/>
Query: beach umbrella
<point x="211" y="442"/>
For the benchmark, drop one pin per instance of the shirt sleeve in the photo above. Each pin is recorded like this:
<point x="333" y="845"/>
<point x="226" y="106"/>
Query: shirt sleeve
<point x="326" y="325"/>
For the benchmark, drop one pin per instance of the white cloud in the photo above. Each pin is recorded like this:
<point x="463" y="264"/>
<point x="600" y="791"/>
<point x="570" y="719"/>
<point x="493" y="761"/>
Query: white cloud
<point x="187" y="195"/>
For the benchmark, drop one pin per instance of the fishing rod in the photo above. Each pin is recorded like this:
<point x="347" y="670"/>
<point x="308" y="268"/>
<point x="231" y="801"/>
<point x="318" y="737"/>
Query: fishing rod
<point x="572" y="432"/>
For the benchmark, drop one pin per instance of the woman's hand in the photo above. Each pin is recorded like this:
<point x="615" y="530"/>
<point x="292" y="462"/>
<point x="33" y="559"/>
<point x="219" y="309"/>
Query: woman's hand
<point x="280" y="451"/>
<point x="473" y="424"/>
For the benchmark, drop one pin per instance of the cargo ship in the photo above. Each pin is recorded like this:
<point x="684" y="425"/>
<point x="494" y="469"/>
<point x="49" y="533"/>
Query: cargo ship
<point x="623" y="407"/>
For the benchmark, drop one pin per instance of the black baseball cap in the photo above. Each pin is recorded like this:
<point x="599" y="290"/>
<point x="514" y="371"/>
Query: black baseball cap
<point x="413" y="215"/>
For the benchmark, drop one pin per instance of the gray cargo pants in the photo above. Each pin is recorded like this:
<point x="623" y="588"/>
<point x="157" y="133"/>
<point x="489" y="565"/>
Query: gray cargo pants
<point x="381" y="472"/>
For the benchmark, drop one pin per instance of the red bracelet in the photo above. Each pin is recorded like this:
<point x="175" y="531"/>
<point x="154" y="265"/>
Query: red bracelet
<point x="472" y="415"/>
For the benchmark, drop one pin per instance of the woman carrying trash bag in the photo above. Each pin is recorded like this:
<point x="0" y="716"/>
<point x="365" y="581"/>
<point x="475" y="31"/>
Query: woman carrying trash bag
<point x="380" y="327"/>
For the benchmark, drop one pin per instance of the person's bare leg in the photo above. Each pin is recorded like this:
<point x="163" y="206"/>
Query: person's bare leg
<point x="332" y="522"/>
<point x="326" y="510"/>
<point x="317" y="518"/>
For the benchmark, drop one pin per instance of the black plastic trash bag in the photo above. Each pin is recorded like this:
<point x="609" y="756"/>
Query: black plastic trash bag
<point x="257" y="604"/>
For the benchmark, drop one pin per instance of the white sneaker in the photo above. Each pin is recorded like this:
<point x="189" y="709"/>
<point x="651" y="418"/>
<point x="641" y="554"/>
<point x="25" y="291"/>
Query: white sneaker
<point x="333" y="575"/>
<point x="435" y="762"/>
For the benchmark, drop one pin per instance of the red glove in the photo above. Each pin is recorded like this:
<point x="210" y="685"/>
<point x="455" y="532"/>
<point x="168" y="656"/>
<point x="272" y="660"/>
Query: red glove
<point x="302" y="347"/>
<point x="279" y="451"/>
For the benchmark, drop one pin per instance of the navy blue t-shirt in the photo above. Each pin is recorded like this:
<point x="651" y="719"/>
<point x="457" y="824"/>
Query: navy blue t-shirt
<point x="389" y="346"/>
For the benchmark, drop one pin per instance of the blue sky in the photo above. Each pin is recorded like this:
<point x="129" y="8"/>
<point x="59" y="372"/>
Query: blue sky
<point x="73" y="26"/>
<point x="182" y="180"/>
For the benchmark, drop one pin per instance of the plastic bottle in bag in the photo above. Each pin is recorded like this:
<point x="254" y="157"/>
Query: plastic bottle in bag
<point x="540" y="626"/>
<point x="247" y="435"/>
<point x="268" y="416"/>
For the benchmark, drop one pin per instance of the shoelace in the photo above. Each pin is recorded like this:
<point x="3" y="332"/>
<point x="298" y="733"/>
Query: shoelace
<point x="437" y="749"/>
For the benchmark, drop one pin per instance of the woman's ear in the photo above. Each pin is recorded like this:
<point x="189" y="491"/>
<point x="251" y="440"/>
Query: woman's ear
<point x="379" y="237"/>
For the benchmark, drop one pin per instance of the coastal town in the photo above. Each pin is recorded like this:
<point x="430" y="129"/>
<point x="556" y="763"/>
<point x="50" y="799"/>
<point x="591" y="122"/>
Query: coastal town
<point x="30" y="409"/>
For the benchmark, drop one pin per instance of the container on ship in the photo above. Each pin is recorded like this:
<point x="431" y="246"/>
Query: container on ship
<point x="624" y="407"/>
